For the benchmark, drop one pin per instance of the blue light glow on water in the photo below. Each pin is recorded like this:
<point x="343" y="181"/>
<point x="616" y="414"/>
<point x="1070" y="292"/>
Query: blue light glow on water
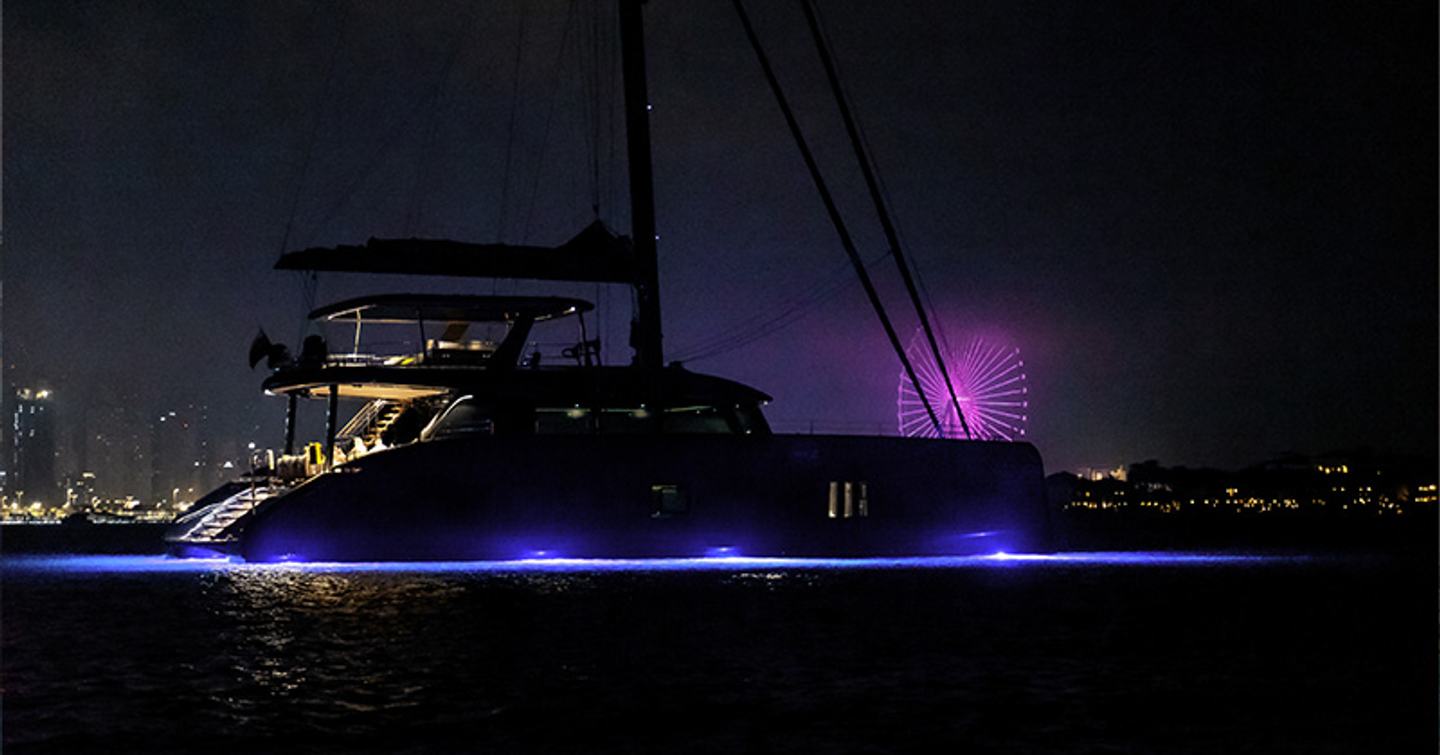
<point x="719" y="562"/>
<point x="111" y="564"/>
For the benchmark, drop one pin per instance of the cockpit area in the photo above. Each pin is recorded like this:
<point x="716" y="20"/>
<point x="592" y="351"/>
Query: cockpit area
<point x="445" y="329"/>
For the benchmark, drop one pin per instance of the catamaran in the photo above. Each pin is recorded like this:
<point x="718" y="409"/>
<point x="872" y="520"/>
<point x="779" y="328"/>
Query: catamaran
<point x="472" y="442"/>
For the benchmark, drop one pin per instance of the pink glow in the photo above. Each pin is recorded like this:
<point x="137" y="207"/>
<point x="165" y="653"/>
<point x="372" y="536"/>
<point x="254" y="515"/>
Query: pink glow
<point x="989" y="380"/>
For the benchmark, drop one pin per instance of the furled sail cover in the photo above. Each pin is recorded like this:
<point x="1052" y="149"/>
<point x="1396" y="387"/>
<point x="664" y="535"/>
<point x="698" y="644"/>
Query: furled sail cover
<point x="595" y="255"/>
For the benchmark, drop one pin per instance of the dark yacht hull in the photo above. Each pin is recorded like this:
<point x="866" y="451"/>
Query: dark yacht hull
<point x="661" y="496"/>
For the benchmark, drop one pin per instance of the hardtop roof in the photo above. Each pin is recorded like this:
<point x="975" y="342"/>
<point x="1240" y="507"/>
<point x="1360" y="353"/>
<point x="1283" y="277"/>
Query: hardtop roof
<point x="408" y="308"/>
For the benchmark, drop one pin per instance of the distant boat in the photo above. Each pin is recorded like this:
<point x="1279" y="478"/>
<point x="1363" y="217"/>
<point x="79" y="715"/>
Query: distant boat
<point x="475" y="448"/>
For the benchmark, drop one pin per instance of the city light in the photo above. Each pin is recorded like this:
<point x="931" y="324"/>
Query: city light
<point x="1373" y="488"/>
<point x="140" y="465"/>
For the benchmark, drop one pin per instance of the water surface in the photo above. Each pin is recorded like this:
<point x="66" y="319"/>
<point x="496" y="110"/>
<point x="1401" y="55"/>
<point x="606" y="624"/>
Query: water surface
<point x="1082" y="653"/>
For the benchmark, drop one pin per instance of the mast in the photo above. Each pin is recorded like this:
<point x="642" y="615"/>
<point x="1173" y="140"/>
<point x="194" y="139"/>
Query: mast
<point x="645" y="330"/>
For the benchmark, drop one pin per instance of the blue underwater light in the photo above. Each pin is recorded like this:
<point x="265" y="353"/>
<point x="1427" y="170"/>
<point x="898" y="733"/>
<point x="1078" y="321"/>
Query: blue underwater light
<point x="721" y="558"/>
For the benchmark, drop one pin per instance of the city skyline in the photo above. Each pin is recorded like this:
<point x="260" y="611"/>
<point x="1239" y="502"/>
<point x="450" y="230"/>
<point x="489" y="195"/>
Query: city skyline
<point x="111" y="451"/>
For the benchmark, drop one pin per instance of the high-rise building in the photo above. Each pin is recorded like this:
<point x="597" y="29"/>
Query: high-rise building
<point x="32" y="445"/>
<point x="180" y="463"/>
<point x="117" y="449"/>
<point x="80" y="492"/>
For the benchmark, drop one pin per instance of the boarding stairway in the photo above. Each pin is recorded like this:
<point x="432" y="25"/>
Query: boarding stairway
<point x="217" y="525"/>
<point x="216" y="522"/>
<point x="370" y="423"/>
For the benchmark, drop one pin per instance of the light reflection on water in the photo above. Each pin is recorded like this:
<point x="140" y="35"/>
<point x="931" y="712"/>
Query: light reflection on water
<point x="292" y="635"/>
<point x="142" y="564"/>
<point x="523" y="656"/>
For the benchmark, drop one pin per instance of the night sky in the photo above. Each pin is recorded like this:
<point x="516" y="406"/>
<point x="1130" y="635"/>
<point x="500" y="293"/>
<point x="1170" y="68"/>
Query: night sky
<point x="1210" y="227"/>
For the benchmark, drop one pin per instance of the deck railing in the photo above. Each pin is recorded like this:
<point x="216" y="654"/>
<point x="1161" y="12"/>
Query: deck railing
<point x="831" y="427"/>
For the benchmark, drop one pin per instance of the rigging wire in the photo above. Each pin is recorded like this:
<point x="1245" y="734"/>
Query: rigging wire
<point x="882" y="211"/>
<point x="897" y="221"/>
<point x="311" y="138"/>
<point x="762" y="326"/>
<point x="597" y="127"/>
<point x="397" y="131"/>
<point x="593" y="113"/>
<point x="426" y="159"/>
<point x="611" y="87"/>
<point x="833" y="211"/>
<point x="510" y="132"/>
<point x="816" y="294"/>
<point x="309" y="282"/>
<point x="595" y="161"/>
<point x="549" y="118"/>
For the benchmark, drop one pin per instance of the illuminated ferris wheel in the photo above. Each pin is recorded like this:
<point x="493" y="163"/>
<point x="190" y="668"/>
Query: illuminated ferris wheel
<point x="989" y="380"/>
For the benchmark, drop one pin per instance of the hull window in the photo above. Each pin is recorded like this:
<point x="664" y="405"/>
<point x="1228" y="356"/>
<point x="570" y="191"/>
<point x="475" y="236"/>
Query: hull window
<point x="848" y="499"/>
<point x="564" y="421"/>
<point x="626" y="421"/>
<point x="701" y="419"/>
<point x="668" y="501"/>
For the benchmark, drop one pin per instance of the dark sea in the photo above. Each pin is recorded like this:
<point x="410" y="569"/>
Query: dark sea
<point x="1073" y="653"/>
